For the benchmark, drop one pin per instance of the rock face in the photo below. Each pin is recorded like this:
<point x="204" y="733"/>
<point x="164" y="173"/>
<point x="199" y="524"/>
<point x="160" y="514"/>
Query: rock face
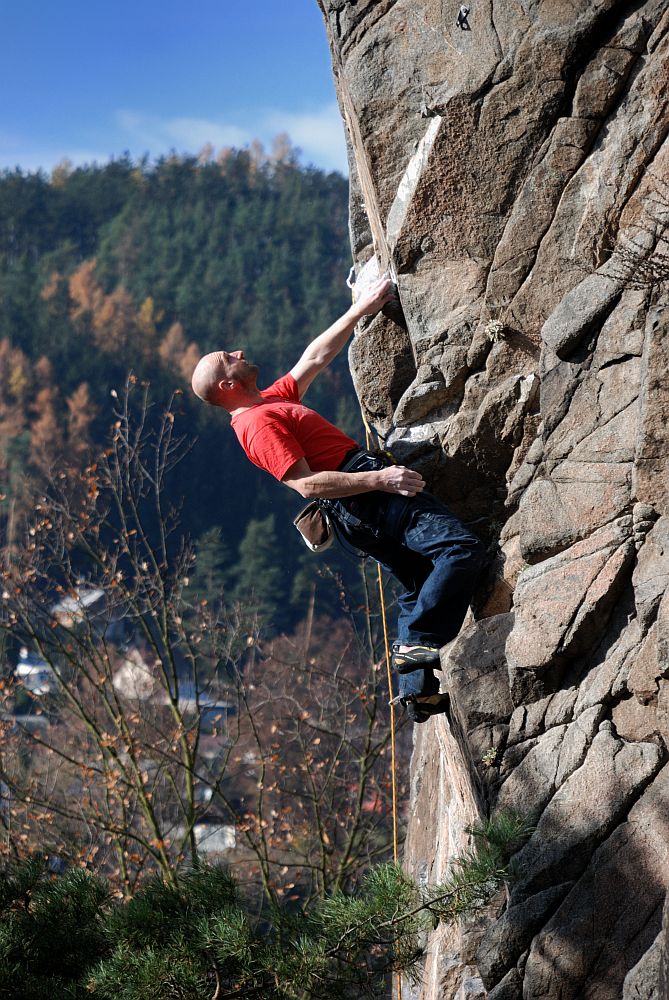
<point x="513" y="173"/>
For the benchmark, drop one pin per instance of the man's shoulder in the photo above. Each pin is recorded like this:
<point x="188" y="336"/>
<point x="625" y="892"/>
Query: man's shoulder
<point x="284" y="387"/>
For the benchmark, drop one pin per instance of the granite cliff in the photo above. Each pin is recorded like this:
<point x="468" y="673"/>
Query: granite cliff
<point x="510" y="165"/>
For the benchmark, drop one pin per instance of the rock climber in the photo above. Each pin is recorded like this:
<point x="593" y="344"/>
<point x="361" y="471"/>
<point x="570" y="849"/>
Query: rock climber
<point x="379" y="508"/>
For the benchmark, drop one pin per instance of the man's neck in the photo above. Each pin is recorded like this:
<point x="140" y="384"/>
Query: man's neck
<point x="244" y="401"/>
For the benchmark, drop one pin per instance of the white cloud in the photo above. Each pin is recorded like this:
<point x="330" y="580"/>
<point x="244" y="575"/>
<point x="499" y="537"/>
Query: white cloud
<point x="185" y="135"/>
<point x="31" y="159"/>
<point x="319" y="134"/>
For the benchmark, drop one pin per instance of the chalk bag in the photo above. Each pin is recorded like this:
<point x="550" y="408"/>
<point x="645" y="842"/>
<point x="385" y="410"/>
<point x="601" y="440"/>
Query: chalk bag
<point x="315" y="527"/>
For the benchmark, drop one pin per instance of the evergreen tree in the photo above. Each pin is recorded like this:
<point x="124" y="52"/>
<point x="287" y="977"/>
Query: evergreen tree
<point x="141" y="267"/>
<point x="208" y="580"/>
<point x="259" y="582"/>
<point x="197" y="936"/>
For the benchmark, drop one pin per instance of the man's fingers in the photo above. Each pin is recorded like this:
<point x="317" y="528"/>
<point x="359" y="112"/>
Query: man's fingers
<point x="406" y="482"/>
<point x="409" y="482"/>
<point x="378" y="295"/>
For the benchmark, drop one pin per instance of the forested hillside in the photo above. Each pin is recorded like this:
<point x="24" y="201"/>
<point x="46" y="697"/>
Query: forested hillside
<point x="106" y="270"/>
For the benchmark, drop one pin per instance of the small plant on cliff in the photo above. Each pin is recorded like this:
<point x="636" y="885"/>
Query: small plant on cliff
<point x="494" y="330"/>
<point x="198" y="938"/>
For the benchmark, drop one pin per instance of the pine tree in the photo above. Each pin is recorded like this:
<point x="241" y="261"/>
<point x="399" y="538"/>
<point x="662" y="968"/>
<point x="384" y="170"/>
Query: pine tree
<point x="208" y="580"/>
<point x="198" y="937"/>
<point x="258" y="586"/>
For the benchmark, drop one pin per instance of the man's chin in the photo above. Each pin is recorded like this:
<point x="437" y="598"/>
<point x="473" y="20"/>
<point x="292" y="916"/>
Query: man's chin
<point x="250" y="375"/>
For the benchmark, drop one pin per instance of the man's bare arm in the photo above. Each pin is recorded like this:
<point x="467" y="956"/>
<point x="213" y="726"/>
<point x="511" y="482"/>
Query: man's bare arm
<point x="332" y="485"/>
<point x="327" y="345"/>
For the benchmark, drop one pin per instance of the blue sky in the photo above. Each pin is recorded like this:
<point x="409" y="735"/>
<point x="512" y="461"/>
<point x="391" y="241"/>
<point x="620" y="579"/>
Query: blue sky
<point x="89" y="80"/>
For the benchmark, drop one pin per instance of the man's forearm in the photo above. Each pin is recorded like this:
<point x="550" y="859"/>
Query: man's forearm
<point x="328" y="344"/>
<point x="325" y="348"/>
<point x="332" y="485"/>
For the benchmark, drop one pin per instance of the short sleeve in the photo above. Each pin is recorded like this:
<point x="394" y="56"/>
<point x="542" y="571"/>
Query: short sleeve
<point x="274" y="449"/>
<point x="285" y="387"/>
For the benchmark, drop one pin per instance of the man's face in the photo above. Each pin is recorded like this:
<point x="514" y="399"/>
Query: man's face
<point x="235" y="366"/>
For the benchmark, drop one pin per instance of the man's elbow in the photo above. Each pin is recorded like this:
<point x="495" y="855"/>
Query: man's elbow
<point x="309" y="490"/>
<point x="304" y="487"/>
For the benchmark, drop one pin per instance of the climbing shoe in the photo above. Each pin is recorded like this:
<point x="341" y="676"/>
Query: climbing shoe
<point x="421" y="707"/>
<point x="413" y="657"/>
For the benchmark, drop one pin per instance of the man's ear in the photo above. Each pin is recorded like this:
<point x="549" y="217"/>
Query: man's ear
<point x="226" y="384"/>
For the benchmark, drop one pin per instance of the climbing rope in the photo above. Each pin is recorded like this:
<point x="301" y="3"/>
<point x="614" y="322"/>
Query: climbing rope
<point x="389" y="677"/>
<point x="393" y="769"/>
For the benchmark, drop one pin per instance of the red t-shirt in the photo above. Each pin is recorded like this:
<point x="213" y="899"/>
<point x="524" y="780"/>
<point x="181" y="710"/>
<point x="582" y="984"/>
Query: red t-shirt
<point x="280" y="431"/>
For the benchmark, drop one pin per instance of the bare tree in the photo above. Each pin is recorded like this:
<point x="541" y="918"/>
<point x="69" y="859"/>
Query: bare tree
<point x="164" y="719"/>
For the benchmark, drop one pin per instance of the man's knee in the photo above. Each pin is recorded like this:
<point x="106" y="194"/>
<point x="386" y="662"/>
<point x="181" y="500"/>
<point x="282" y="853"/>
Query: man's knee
<point x="468" y="552"/>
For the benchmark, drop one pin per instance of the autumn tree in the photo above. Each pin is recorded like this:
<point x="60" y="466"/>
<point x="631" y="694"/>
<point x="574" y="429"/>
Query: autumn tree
<point x="142" y="267"/>
<point x="46" y="437"/>
<point x="166" y="713"/>
<point x="81" y="412"/>
<point x="176" y="354"/>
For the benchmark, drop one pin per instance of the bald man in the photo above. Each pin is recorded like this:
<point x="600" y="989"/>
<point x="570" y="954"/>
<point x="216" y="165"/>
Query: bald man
<point x="381" y="509"/>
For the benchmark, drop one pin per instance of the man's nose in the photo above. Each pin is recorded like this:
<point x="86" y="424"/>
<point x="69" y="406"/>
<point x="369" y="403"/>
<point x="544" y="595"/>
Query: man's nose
<point x="237" y="354"/>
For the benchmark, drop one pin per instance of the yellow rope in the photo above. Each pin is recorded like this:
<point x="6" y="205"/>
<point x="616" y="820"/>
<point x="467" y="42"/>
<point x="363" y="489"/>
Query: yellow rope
<point x="392" y="709"/>
<point x="386" y="646"/>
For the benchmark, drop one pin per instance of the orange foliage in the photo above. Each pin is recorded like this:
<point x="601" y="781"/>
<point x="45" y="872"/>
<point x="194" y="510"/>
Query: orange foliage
<point x="117" y="325"/>
<point x="176" y="355"/>
<point x="113" y="317"/>
<point x="44" y="372"/>
<point x="46" y="437"/>
<point x="114" y="323"/>
<point x="80" y="414"/>
<point x="85" y="293"/>
<point x="50" y="289"/>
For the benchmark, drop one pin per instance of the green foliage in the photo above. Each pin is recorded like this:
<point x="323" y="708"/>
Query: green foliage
<point x="137" y="267"/>
<point x="61" y="938"/>
<point x="160" y="941"/>
<point x="208" y="580"/>
<point x="259" y="575"/>
<point x="503" y="833"/>
<point x="50" y="930"/>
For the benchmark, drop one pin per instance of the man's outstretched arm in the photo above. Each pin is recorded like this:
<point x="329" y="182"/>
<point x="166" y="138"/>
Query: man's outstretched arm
<point x="331" y="485"/>
<point x="327" y="346"/>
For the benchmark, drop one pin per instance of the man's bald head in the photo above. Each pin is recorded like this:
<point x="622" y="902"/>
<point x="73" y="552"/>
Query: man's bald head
<point x="225" y="378"/>
<point x="209" y="372"/>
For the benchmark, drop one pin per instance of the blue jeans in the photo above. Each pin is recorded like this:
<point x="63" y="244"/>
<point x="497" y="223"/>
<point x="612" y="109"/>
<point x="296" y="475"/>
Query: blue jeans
<point x="436" y="559"/>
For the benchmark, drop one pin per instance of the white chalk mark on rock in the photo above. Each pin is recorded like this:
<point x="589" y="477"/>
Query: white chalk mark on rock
<point x="409" y="183"/>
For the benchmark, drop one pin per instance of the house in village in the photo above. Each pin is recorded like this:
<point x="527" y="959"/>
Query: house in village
<point x="34" y="673"/>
